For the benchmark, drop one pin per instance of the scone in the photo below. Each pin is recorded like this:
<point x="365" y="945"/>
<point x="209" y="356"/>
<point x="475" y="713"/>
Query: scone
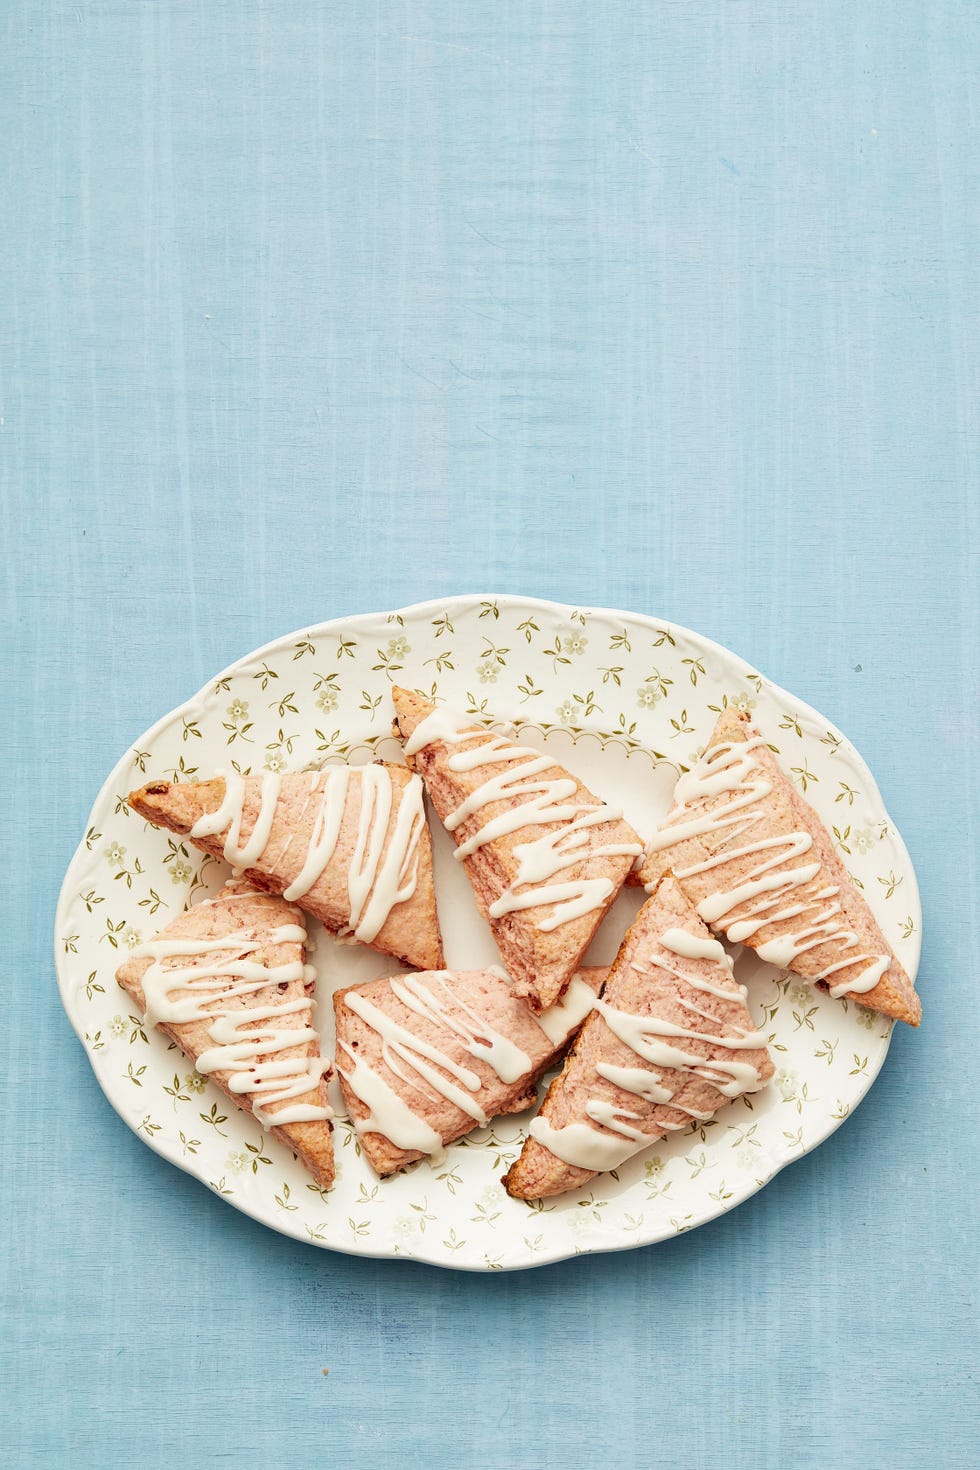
<point x="423" y="1059"/>
<point x="669" y="1043"/>
<point x="545" y="857"/>
<point x="228" y="982"/>
<point x="349" y="844"/>
<point x="761" y="867"/>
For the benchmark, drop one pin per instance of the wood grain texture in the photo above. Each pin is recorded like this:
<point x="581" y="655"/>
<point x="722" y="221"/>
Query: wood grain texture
<point x="312" y="309"/>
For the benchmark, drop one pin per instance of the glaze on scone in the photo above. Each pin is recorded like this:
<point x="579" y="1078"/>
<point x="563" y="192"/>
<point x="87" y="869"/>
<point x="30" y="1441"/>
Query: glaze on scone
<point x="669" y="1043"/>
<point x="423" y="1059"/>
<point x="227" y="980"/>
<point x="349" y="844"/>
<point x="545" y="857"/>
<point x="761" y="868"/>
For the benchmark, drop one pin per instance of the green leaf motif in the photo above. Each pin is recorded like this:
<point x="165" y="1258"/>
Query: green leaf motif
<point x="215" y="1119"/>
<point x="561" y="676"/>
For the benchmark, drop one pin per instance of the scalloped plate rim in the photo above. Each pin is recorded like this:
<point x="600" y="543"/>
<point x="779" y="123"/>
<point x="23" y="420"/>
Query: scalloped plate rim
<point x="466" y="602"/>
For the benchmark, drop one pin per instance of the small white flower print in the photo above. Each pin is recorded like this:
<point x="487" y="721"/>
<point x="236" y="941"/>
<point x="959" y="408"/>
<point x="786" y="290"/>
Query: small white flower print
<point x="866" y="1018"/>
<point x="327" y="700"/>
<point x="785" y="1082"/>
<point x="114" y="855"/>
<point x="194" y="1082"/>
<point x="238" y="711"/>
<point x="575" y="644"/>
<point x="237" y="1161"/>
<point x="398" y="647"/>
<point x="800" y="995"/>
<point x="118" y="1027"/>
<point x="404" y="1227"/>
<point x="180" y="872"/>
<point x="863" y="840"/>
<point x="130" y="937"/>
<point x="742" y="703"/>
<point x="566" y="712"/>
<point x="647" y="696"/>
<point x="654" y="1166"/>
<point x="275" y="762"/>
<point x="745" y="1158"/>
<point x="488" y="672"/>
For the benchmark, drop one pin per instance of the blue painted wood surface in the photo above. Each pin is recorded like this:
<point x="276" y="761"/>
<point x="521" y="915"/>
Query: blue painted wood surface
<point x="315" y="308"/>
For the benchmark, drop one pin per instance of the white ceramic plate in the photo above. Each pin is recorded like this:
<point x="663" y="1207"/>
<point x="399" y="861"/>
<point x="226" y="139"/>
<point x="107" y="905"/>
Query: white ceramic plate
<point x="625" y="702"/>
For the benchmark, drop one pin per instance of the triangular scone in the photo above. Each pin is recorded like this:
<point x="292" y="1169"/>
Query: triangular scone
<point x="423" y="1059"/>
<point x="349" y="844"/>
<point x="228" y="982"/>
<point x="545" y="857"/>
<point x="761" y="867"/>
<point x="670" y="1042"/>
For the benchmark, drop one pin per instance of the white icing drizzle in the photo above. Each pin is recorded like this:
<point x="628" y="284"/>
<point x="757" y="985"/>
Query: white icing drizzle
<point x="158" y="983"/>
<point x="638" y="1080"/>
<point x="439" y="724"/>
<point x="584" y="1147"/>
<point x="479" y="1039"/>
<point x="227" y="814"/>
<point x="235" y="890"/>
<point x="398" y="1042"/>
<point x="695" y="947"/>
<point x="314" y="780"/>
<point x="230" y="813"/>
<point x="572" y="900"/>
<point x="696" y="982"/>
<point x="384" y="868"/>
<point x="241" y="1035"/>
<point x="538" y="802"/>
<point x="237" y="1051"/>
<point x="644" y="1035"/>
<point x="560" y="1020"/>
<point x="326" y="830"/>
<point x="861" y="984"/>
<point x="387" y="1113"/>
<point x="390" y="1114"/>
<point x="378" y="884"/>
<point x="607" y="1115"/>
<point x="732" y="769"/>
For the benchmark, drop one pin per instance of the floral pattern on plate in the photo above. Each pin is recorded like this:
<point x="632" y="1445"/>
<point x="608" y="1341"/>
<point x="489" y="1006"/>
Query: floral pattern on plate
<point x="626" y="702"/>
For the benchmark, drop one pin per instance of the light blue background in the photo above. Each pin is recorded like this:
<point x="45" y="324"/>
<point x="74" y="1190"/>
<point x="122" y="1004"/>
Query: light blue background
<point x="314" y="308"/>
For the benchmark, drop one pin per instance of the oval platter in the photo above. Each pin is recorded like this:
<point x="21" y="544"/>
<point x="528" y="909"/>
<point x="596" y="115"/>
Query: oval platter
<point x="625" y="701"/>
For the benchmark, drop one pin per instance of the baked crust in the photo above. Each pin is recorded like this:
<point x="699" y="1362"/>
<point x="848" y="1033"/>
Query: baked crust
<point x="779" y="814"/>
<point x="639" y="985"/>
<point x="539" y="962"/>
<point x="487" y="995"/>
<point x="233" y="910"/>
<point x="410" y="932"/>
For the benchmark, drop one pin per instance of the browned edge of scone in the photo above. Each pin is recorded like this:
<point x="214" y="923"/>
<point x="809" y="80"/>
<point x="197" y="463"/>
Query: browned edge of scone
<point x="895" y="994"/>
<point x="386" y="1158"/>
<point x="171" y="805"/>
<point x="540" y="962"/>
<point x="512" y="1179"/>
<point x="305" y="1140"/>
<point x="524" y="1180"/>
